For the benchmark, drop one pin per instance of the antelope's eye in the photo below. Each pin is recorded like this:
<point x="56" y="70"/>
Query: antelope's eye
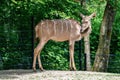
<point x="85" y="22"/>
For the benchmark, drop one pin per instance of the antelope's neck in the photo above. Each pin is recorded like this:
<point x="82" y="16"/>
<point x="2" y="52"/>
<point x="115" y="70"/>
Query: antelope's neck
<point x="86" y="31"/>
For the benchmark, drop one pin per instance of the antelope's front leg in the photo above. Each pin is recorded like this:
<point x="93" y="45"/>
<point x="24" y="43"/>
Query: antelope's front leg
<point x="71" y="51"/>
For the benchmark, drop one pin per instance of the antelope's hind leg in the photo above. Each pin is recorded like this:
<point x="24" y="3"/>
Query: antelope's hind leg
<point x="37" y="52"/>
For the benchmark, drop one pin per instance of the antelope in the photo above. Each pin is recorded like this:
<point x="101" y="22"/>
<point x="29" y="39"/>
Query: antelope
<point x="61" y="30"/>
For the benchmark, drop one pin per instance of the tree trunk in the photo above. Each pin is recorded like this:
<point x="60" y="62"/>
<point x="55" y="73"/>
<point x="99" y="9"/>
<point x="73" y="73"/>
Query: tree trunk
<point x="83" y="3"/>
<point x="1" y="63"/>
<point x="86" y="43"/>
<point x="87" y="52"/>
<point x="103" y="51"/>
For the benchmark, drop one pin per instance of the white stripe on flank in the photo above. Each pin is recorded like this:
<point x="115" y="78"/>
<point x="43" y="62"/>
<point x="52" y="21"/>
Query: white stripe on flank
<point x="47" y="28"/>
<point x="41" y="29"/>
<point x="61" y="26"/>
<point x="70" y="26"/>
<point x="66" y="26"/>
<point x="54" y="27"/>
<point x="70" y="29"/>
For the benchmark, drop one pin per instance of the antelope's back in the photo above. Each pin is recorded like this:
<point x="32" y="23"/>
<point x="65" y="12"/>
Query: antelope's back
<point x="59" y="30"/>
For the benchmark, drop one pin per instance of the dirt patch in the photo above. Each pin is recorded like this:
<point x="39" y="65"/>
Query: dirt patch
<point x="56" y="75"/>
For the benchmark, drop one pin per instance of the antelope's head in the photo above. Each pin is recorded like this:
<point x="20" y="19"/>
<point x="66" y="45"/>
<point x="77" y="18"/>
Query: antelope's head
<point x="86" y="21"/>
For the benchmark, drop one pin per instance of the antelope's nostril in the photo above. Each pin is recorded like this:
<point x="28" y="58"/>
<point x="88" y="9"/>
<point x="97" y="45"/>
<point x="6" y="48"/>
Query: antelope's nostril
<point x="81" y="30"/>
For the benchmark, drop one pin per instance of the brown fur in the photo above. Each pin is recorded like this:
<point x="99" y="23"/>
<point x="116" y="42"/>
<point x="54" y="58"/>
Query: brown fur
<point x="61" y="30"/>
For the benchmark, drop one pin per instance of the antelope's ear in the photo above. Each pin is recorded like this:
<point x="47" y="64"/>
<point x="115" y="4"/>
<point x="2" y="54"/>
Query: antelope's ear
<point x="82" y="15"/>
<point x="93" y="15"/>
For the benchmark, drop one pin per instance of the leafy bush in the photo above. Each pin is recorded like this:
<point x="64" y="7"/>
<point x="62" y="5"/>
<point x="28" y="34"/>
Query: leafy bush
<point x="16" y="31"/>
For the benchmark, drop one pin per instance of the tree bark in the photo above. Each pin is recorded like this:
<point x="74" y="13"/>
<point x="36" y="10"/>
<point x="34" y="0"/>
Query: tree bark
<point x="103" y="51"/>
<point x="86" y="43"/>
<point x="83" y="3"/>
<point x="1" y="63"/>
<point x="87" y="52"/>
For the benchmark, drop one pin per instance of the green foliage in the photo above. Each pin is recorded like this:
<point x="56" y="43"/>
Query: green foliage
<point x="16" y="31"/>
<point x="55" y="52"/>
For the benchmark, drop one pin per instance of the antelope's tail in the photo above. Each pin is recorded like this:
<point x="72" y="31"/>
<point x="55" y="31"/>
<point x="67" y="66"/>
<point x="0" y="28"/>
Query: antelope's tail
<point x="36" y="31"/>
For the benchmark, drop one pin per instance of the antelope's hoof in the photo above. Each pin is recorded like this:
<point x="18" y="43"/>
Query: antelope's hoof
<point x="42" y="69"/>
<point x="72" y="69"/>
<point x="34" y="70"/>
